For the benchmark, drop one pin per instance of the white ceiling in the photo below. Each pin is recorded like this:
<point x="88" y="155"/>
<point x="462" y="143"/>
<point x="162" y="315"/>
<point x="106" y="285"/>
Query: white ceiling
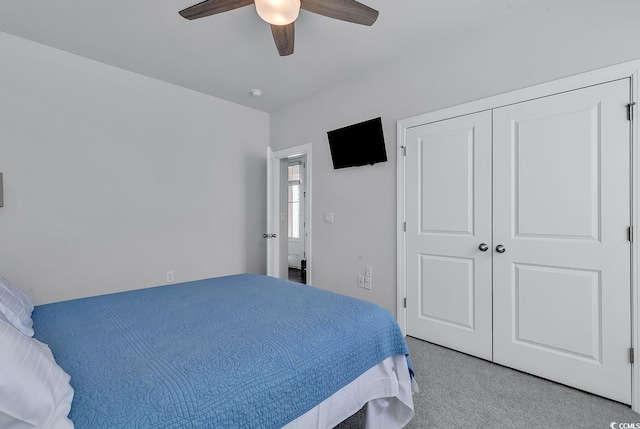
<point x="229" y="54"/>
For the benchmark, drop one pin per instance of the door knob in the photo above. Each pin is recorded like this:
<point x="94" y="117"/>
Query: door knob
<point x="483" y="247"/>
<point x="500" y="248"/>
<point x="268" y="235"/>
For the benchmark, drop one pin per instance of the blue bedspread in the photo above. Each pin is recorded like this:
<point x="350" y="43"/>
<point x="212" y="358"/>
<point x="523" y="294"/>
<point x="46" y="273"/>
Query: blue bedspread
<point x="243" y="351"/>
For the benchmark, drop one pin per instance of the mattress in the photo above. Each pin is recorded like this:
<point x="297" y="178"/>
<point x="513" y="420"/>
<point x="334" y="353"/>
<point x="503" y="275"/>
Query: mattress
<point x="235" y="352"/>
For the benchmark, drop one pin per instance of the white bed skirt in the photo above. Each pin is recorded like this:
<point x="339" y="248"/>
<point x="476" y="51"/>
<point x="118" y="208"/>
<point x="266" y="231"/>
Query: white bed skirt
<point x="386" y="389"/>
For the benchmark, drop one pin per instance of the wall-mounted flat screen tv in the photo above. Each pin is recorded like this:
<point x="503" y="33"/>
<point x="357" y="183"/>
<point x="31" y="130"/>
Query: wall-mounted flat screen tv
<point x="358" y="144"/>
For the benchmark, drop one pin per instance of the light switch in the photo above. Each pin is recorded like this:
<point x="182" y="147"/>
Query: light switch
<point x="328" y="218"/>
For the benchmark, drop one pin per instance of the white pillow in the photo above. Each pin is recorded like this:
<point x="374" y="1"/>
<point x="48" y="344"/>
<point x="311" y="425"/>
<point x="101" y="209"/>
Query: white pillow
<point x="16" y="306"/>
<point x="34" y="391"/>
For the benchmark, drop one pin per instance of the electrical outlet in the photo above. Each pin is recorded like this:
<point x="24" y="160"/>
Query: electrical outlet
<point x="170" y="276"/>
<point x="360" y="281"/>
<point x="367" y="283"/>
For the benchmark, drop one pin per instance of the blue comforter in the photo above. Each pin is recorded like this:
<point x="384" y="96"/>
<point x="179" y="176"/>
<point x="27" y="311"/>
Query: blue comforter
<point x="243" y="351"/>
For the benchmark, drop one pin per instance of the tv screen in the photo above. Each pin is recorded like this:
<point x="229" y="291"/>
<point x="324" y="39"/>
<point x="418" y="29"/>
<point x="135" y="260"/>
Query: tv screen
<point x="358" y="144"/>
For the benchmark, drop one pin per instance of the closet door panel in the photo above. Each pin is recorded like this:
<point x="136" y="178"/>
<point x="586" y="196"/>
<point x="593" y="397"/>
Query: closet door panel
<point x="448" y="186"/>
<point x="561" y="210"/>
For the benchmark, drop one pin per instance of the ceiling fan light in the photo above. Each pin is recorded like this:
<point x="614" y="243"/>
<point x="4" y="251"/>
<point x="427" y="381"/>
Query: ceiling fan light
<point x="278" y="12"/>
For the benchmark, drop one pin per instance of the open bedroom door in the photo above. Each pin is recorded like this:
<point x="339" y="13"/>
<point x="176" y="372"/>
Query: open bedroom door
<point x="271" y="235"/>
<point x="276" y="233"/>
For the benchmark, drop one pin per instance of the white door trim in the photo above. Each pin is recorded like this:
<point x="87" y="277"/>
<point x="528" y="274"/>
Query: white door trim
<point x="625" y="70"/>
<point x="635" y="240"/>
<point x="273" y="196"/>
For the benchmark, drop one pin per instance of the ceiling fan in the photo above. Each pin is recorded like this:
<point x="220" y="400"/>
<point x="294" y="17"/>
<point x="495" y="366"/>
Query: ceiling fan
<point x="282" y="13"/>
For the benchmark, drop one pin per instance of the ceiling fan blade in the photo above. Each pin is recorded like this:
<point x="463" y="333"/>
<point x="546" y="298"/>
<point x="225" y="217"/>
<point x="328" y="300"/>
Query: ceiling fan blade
<point x="284" y="36"/>
<point x="344" y="10"/>
<point x="211" y="7"/>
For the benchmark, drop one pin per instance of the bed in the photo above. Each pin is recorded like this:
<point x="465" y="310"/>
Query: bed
<point x="242" y="351"/>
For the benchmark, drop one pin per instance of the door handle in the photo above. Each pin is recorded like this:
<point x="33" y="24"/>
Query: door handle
<point x="500" y="248"/>
<point x="483" y="247"/>
<point x="268" y="235"/>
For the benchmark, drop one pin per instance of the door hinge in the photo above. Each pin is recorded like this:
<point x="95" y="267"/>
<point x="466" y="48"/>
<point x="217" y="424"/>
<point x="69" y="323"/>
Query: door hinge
<point x="630" y="110"/>
<point x="405" y="302"/>
<point x="631" y="355"/>
<point x="404" y="150"/>
<point x="630" y="233"/>
<point x="404" y="227"/>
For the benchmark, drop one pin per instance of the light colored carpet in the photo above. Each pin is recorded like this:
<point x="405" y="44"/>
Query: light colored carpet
<point x="460" y="391"/>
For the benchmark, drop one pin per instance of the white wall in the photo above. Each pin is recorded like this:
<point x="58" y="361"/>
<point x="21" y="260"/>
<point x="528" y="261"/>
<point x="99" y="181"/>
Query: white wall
<point x="439" y="74"/>
<point x="111" y="178"/>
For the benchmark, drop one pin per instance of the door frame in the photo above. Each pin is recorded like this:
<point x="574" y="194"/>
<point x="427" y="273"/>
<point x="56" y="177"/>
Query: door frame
<point x="273" y="204"/>
<point x="302" y="160"/>
<point x="630" y="70"/>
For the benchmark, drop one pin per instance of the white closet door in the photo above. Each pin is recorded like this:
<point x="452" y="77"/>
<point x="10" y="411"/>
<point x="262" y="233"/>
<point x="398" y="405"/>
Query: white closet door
<point x="561" y="211"/>
<point x="448" y="194"/>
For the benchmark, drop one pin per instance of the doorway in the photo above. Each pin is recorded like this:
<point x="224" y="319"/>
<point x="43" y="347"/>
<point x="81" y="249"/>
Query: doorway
<point x="289" y="214"/>
<point x="296" y="228"/>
